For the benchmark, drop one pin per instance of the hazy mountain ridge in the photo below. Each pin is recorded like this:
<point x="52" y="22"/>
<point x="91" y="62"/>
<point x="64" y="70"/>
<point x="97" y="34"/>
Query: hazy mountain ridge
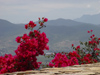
<point x="93" y="19"/>
<point x="4" y="22"/>
<point x="64" y="22"/>
<point x="60" y="36"/>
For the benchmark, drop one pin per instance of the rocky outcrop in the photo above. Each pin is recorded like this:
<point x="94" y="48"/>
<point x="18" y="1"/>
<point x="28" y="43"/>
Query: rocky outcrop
<point x="87" y="69"/>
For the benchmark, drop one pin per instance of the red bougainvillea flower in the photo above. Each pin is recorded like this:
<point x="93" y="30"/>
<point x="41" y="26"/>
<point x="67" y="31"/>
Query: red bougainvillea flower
<point x="78" y="47"/>
<point x="47" y="47"/>
<point x="25" y="36"/>
<point x="72" y="45"/>
<point x="45" y="19"/>
<point x="42" y="17"/>
<point x="31" y="22"/>
<point x="91" y="30"/>
<point x="18" y="39"/>
<point x="96" y="49"/>
<point x="61" y="60"/>
<point x="98" y="38"/>
<point x="26" y="26"/>
<point x="50" y="64"/>
<point x="31" y="33"/>
<point x="97" y="53"/>
<point x="88" y="31"/>
<point x="88" y="55"/>
<point x="73" y="54"/>
<point x="41" y="24"/>
<point x="90" y="42"/>
<point x="39" y="18"/>
<point x="95" y="60"/>
<point x="93" y="35"/>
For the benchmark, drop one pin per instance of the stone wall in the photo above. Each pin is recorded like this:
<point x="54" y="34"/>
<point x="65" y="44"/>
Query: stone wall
<point x="87" y="69"/>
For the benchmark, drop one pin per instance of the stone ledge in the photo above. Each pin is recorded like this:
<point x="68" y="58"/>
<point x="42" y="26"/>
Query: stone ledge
<point x="87" y="69"/>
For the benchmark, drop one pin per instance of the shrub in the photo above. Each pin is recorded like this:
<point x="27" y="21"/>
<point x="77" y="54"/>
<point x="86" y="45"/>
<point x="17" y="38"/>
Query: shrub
<point x="31" y="45"/>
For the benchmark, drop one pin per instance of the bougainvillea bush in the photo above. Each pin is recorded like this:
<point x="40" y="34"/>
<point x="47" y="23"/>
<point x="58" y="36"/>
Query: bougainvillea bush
<point x="30" y="46"/>
<point x="85" y="53"/>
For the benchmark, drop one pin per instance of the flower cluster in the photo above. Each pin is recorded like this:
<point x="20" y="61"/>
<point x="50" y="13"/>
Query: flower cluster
<point x="88" y="59"/>
<point x="73" y="54"/>
<point x="29" y="48"/>
<point x="43" y="20"/>
<point x="31" y="45"/>
<point x="61" y="60"/>
<point x="31" y="24"/>
<point x="89" y="53"/>
<point x="7" y="63"/>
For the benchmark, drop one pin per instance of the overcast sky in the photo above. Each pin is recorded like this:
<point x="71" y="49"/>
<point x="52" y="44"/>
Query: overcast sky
<point x="22" y="11"/>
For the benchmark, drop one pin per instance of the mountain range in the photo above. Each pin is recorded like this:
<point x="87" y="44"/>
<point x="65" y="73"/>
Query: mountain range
<point x="61" y="33"/>
<point x="63" y="22"/>
<point x="93" y="19"/>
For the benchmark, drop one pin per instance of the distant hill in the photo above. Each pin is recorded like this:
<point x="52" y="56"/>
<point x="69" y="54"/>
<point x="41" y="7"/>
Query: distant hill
<point x="5" y="22"/>
<point x="93" y="19"/>
<point x="61" y="33"/>
<point x="7" y="27"/>
<point x="63" y="22"/>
